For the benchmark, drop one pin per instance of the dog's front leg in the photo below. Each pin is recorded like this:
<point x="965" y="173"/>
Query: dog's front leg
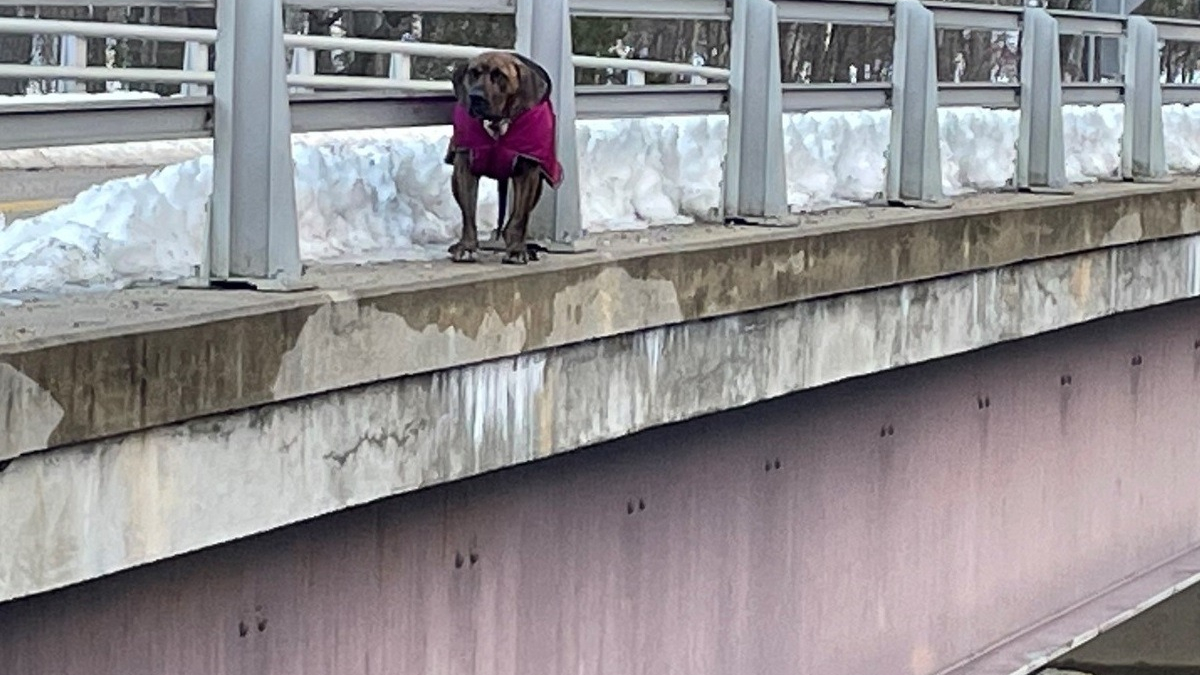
<point x="527" y="190"/>
<point x="465" y="187"/>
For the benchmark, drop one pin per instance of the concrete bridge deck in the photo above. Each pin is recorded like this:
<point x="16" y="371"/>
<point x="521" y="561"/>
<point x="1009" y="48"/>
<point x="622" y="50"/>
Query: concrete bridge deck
<point x="154" y="422"/>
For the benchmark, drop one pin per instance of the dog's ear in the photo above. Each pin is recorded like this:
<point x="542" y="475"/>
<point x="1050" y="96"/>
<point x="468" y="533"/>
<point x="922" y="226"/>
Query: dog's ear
<point x="533" y="82"/>
<point x="458" y="80"/>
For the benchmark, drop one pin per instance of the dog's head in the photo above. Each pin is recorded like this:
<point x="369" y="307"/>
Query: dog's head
<point x="498" y="86"/>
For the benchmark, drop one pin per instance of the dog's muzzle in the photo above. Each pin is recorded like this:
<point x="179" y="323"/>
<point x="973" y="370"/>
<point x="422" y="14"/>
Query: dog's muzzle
<point x="477" y="106"/>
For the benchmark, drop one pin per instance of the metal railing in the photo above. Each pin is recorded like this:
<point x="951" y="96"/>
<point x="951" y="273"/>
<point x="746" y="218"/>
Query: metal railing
<point x="256" y="103"/>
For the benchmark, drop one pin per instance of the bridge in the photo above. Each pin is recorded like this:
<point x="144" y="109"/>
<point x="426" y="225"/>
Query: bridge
<point x="928" y="433"/>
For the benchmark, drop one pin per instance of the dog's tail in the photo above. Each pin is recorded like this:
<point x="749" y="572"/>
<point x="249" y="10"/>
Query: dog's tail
<point x="502" y="216"/>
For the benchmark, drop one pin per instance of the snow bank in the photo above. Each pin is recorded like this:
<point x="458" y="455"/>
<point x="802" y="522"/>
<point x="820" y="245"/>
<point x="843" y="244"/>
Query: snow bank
<point x="385" y="195"/>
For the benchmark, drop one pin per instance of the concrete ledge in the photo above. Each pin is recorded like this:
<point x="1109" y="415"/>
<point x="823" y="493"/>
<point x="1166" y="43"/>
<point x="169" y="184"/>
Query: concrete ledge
<point x="80" y="369"/>
<point x="99" y="507"/>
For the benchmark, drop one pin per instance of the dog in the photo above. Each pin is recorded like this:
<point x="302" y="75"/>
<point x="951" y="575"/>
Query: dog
<point x="504" y="129"/>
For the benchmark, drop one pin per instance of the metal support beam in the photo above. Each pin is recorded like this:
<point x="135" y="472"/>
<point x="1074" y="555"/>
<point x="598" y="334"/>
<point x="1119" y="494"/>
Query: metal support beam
<point x="755" y="175"/>
<point x="1143" y="153"/>
<point x="544" y="35"/>
<point x="304" y="62"/>
<point x="400" y="67"/>
<point x="1041" y="156"/>
<point x="253" y="236"/>
<point x="914" y="160"/>
<point x="195" y="59"/>
<point x="72" y="53"/>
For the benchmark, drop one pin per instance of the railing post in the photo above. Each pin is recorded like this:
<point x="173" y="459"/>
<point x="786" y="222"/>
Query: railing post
<point x="195" y="59"/>
<point x="1041" y="156"/>
<point x="544" y="35"/>
<point x="1143" y="153"/>
<point x="72" y="53"/>
<point x="914" y="158"/>
<point x="253" y="238"/>
<point x="400" y="67"/>
<point x="755" y="181"/>
<point x="698" y="61"/>
<point x="304" y="62"/>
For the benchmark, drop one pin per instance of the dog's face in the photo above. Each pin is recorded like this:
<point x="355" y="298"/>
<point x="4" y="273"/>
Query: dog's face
<point x="498" y="85"/>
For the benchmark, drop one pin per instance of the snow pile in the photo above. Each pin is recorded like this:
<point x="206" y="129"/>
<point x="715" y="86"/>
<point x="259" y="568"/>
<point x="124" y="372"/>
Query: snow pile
<point x="385" y="195"/>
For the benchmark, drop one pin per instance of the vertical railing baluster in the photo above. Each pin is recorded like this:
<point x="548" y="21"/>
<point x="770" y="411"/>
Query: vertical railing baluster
<point x="195" y="59"/>
<point x="400" y="67"/>
<point x="1041" y="156"/>
<point x="755" y="181"/>
<point x="304" y="62"/>
<point x="1143" y="152"/>
<point x="72" y="53"/>
<point x="253" y="236"/>
<point x="544" y="35"/>
<point x="914" y="160"/>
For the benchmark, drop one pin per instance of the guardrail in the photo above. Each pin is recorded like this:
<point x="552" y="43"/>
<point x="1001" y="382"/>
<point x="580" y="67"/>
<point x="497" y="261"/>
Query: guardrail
<point x="256" y="103"/>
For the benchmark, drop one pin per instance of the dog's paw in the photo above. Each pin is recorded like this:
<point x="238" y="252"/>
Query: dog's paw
<point x="463" y="252"/>
<point x="518" y="257"/>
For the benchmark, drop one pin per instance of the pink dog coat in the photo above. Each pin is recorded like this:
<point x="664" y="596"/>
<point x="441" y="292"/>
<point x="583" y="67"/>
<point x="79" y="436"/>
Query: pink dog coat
<point x="529" y="135"/>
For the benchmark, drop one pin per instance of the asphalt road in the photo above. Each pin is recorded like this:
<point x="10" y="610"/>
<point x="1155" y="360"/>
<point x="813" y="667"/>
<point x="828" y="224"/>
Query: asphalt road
<point x="28" y="193"/>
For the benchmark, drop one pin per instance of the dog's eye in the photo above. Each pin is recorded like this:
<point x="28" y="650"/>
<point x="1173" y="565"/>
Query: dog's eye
<point x="499" y="78"/>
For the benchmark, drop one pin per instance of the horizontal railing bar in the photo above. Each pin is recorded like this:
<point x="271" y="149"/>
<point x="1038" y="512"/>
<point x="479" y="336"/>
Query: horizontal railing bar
<point x="659" y="67"/>
<point x="367" y="83"/>
<point x="865" y="12"/>
<point x="368" y="110"/>
<point x="800" y="98"/>
<point x="713" y="10"/>
<point x="861" y="12"/>
<point x="456" y="6"/>
<point x="607" y="102"/>
<point x="384" y="102"/>
<point x="100" y="74"/>
<point x="466" y="52"/>
<point x="100" y="29"/>
<point x="1180" y="93"/>
<point x="1179" y="30"/>
<point x="1092" y="93"/>
<point x="1085" y="23"/>
<point x="979" y="17"/>
<point x="982" y="94"/>
<point x="48" y="125"/>
<point x="123" y="121"/>
<point x="322" y="112"/>
<point x="208" y="36"/>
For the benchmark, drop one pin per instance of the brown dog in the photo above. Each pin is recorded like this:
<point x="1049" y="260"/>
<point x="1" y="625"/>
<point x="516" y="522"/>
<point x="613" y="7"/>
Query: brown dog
<point x="504" y="129"/>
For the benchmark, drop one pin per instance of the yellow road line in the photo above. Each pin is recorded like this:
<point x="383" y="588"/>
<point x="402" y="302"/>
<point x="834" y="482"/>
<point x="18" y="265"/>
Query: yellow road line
<point x="29" y="207"/>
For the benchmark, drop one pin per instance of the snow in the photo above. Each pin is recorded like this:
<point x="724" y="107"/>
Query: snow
<point x="384" y="195"/>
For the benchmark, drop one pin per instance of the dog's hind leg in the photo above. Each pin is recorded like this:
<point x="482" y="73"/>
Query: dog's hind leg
<point x="527" y="190"/>
<point x="466" y="192"/>
<point x="502" y="212"/>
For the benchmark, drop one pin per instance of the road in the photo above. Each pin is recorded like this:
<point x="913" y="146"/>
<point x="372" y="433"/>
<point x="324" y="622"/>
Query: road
<point x="28" y="193"/>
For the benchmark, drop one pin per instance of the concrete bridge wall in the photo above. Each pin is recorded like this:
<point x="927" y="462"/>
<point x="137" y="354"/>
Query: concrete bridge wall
<point x="194" y="419"/>
<point x="906" y="522"/>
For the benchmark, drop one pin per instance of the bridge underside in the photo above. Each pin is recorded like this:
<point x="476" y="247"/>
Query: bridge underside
<point x="974" y="513"/>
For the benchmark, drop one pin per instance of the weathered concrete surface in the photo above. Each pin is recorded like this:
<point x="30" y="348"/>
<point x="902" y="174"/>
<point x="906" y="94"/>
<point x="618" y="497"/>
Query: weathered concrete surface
<point x="94" y="508"/>
<point x="896" y="524"/>
<point x="110" y="364"/>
